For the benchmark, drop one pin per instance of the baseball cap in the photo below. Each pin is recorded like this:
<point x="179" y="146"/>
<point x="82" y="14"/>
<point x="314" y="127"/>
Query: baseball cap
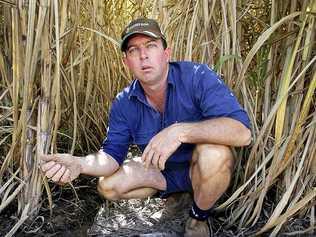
<point x="142" y="26"/>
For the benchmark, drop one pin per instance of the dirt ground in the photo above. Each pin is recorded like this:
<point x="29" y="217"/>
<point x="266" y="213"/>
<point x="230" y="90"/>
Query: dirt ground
<point x="71" y="216"/>
<point x="90" y="215"/>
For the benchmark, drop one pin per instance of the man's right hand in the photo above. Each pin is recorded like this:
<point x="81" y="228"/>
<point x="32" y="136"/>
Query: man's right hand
<point x="60" y="168"/>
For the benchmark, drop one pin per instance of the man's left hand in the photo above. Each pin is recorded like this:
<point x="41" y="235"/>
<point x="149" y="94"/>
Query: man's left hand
<point x="161" y="146"/>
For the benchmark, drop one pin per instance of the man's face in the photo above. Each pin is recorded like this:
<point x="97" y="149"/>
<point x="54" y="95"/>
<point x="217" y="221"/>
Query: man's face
<point x="147" y="59"/>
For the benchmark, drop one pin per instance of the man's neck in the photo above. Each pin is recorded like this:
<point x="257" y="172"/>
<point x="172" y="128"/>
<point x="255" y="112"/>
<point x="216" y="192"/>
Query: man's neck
<point x="156" y="89"/>
<point x="156" y="96"/>
<point x="156" y="93"/>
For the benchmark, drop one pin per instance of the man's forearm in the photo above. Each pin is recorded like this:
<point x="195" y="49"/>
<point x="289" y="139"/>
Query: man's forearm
<point x="224" y="131"/>
<point x="98" y="164"/>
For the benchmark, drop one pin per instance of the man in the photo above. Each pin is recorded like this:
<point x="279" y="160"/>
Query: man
<point x="182" y="117"/>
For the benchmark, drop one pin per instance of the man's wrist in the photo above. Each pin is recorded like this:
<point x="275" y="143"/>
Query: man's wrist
<point x="184" y="129"/>
<point x="83" y="163"/>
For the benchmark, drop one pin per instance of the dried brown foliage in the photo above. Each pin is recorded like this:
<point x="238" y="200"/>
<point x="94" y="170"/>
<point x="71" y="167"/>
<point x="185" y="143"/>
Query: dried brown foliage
<point x="60" y="68"/>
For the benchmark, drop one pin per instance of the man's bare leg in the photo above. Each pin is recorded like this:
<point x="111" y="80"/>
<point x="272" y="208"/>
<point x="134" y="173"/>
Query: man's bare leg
<point x="211" y="171"/>
<point x="132" y="180"/>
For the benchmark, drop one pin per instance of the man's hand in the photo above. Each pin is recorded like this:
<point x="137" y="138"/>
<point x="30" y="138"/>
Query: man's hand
<point x="60" y="168"/>
<point x="161" y="146"/>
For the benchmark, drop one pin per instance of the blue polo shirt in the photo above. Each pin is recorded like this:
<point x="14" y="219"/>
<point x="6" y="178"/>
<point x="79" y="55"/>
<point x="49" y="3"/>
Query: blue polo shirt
<point x="194" y="93"/>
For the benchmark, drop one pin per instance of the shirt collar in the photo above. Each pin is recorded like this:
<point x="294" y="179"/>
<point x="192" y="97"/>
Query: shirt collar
<point x="136" y="90"/>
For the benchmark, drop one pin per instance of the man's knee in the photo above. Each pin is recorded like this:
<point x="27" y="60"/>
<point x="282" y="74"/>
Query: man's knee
<point x="108" y="189"/>
<point x="212" y="159"/>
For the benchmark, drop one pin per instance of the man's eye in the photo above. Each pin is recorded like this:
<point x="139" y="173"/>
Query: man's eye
<point x="131" y="50"/>
<point x="150" y="45"/>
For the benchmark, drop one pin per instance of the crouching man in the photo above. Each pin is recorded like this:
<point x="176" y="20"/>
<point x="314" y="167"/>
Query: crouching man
<point x="182" y="117"/>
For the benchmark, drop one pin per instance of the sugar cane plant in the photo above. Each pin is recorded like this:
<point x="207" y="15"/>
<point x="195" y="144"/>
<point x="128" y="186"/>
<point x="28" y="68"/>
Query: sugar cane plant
<point x="60" y="68"/>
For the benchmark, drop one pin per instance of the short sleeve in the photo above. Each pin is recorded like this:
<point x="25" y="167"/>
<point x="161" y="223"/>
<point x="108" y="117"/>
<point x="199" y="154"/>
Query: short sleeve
<point x="118" y="134"/>
<point x="214" y="98"/>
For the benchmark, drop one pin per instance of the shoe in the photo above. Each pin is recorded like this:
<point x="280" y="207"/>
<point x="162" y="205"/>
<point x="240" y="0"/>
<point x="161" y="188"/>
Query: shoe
<point x="195" y="228"/>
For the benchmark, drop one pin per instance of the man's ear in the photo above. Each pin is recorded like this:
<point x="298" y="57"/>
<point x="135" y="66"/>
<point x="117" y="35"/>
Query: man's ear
<point x="125" y="59"/>
<point x="168" y="54"/>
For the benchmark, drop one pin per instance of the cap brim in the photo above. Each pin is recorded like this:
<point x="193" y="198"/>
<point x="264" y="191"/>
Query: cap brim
<point x="148" y="33"/>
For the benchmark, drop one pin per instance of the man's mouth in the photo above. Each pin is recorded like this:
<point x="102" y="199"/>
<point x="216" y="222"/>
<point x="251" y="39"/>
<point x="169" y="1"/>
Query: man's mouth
<point x="146" y="68"/>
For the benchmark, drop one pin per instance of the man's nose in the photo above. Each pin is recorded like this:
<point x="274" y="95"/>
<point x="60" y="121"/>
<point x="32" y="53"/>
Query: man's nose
<point x="143" y="53"/>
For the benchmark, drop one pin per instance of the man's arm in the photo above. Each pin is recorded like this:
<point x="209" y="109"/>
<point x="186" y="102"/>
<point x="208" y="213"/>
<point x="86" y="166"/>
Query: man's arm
<point x="98" y="164"/>
<point x="223" y="131"/>
<point x="63" y="168"/>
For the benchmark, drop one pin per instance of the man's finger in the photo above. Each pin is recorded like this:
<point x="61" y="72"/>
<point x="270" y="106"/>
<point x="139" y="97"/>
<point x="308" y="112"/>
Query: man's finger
<point x="145" y="152"/>
<point x="148" y="158"/>
<point x="51" y="172"/>
<point x="66" y="177"/>
<point x="58" y="175"/>
<point x="155" y="160"/>
<point x="47" y="166"/>
<point x="162" y="161"/>
<point x="46" y="158"/>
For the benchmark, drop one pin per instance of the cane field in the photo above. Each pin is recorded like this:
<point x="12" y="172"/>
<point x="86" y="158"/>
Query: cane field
<point x="61" y="67"/>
